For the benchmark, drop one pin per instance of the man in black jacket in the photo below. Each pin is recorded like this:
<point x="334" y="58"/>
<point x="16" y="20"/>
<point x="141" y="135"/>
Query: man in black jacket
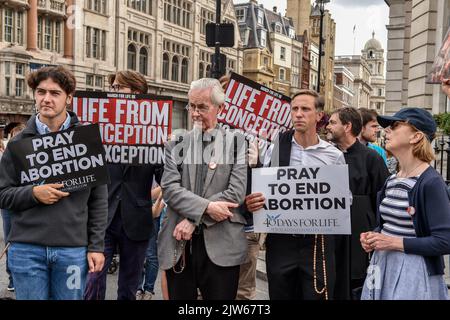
<point x="55" y="236"/>
<point x="130" y="221"/>
<point x="367" y="174"/>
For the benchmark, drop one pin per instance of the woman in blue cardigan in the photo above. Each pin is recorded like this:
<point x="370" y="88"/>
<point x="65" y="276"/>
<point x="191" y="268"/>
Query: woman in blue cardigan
<point x="413" y="217"/>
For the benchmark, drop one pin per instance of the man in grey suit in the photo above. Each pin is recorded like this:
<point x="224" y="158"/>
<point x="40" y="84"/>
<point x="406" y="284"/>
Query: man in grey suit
<point x="202" y="242"/>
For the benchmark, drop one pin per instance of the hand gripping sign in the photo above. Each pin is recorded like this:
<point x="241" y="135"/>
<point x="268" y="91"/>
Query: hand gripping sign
<point x="133" y="127"/>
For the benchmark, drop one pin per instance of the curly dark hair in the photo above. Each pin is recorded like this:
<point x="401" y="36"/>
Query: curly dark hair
<point x="59" y="74"/>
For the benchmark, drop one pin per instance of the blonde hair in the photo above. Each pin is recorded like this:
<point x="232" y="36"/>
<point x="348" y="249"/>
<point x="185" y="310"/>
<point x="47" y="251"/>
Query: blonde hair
<point x="422" y="150"/>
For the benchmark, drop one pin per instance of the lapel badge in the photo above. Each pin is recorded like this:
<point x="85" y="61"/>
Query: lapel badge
<point x="212" y="165"/>
<point x="411" y="211"/>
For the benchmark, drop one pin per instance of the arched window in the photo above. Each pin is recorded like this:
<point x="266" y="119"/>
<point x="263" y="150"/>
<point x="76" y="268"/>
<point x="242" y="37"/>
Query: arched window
<point x="165" y="68"/>
<point x="208" y="71"/>
<point x="131" y="57"/>
<point x="184" y="70"/>
<point x="143" y="61"/>
<point x="201" y="71"/>
<point x="175" y="65"/>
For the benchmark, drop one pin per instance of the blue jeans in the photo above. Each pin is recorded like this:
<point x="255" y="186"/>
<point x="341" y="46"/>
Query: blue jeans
<point x="151" y="265"/>
<point x="48" y="273"/>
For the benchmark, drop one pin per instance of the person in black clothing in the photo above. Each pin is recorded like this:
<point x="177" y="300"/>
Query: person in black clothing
<point x="130" y="222"/>
<point x="367" y="174"/>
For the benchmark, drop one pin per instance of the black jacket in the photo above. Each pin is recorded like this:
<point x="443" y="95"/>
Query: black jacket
<point x="130" y="187"/>
<point x="74" y="221"/>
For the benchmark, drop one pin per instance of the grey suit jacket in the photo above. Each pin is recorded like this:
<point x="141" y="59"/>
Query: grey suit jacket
<point x="225" y="241"/>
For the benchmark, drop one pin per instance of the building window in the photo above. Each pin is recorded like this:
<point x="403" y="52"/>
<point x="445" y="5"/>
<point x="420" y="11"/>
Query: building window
<point x="207" y="17"/>
<point x="94" y="82"/>
<point x="380" y="92"/>
<point x="282" y="74"/>
<point x="178" y="12"/>
<point x="20" y="69"/>
<point x="88" y="42"/>
<point x="240" y="15"/>
<point x="201" y="70"/>
<point x="175" y="66"/>
<point x="20" y="84"/>
<point x="263" y="37"/>
<point x="143" y="61"/>
<point x="19" y="28"/>
<point x="131" y="57"/>
<point x="205" y="60"/>
<point x="184" y="70"/>
<point x="165" y="68"/>
<point x="208" y="70"/>
<point x="8" y="86"/>
<point x="8" y="25"/>
<point x="283" y="53"/>
<point x="57" y="44"/>
<point x="103" y="46"/>
<point x="95" y="43"/>
<point x="176" y="61"/>
<point x="260" y="17"/>
<point x="231" y="65"/>
<point x="266" y="61"/>
<point x="140" y="40"/>
<point x="291" y="33"/>
<point x="97" y="6"/>
<point x="144" y="6"/>
<point x="48" y="35"/>
<point x="277" y="28"/>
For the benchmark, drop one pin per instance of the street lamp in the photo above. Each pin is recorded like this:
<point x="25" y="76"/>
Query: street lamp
<point x="321" y="4"/>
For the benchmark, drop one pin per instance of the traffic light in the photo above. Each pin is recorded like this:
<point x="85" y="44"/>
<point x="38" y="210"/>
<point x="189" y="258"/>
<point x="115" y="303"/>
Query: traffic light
<point x="222" y="64"/>
<point x="226" y="35"/>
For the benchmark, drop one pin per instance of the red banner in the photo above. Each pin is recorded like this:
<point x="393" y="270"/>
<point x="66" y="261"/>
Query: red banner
<point x="255" y="109"/>
<point x="137" y="121"/>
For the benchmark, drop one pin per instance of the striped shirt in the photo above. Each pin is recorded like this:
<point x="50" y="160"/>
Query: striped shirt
<point x="393" y="208"/>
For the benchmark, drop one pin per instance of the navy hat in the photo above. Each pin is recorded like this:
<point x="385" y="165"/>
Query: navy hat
<point x="419" y="118"/>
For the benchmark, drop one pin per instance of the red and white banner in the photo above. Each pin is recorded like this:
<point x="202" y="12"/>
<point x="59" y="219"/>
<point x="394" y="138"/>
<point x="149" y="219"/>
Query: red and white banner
<point x="133" y="127"/>
<point x="255" y="109"/>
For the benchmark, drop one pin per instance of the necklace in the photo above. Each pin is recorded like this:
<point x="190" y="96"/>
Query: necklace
<point x="411" y="171"/>
<point x="324" y="289"/>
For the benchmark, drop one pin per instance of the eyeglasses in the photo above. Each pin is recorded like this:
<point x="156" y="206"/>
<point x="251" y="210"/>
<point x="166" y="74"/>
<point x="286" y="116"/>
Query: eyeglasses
<point x="118" y="87"/>
<point x="202" y="109"/>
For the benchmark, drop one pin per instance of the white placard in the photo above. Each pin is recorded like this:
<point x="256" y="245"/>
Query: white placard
<point x="303" y="200"/>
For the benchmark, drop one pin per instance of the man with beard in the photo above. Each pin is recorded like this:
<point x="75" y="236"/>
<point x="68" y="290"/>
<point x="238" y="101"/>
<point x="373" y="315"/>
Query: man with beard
<point x="367" y="174"/>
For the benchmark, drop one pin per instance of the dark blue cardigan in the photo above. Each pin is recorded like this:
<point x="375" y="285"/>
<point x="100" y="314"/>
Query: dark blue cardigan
<point x="431" y="220"/>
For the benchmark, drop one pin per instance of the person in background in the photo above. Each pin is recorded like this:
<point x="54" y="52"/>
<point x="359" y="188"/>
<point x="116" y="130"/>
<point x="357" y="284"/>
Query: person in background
<point x="413" y="220"/>
<point x="367" y="174"/>
<point x="369" y="131"/>
<point x="151" y="266"/>
<point x="6" y="215"/>
<point x="56" y="237"/>
<point x="130" y="223"/>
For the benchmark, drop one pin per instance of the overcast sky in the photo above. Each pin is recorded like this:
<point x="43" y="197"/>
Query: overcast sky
<point x="367" y="15"/>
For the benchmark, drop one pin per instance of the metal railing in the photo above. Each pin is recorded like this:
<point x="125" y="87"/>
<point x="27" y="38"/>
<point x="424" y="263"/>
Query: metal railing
<point x="442" y="153"/>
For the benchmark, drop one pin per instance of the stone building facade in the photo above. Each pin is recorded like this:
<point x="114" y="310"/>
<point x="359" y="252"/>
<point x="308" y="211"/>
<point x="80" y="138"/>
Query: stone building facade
<point x="163" y="39"/>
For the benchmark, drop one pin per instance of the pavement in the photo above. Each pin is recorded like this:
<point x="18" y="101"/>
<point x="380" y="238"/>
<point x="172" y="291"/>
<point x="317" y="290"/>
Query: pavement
<point x="111" y="292"/>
